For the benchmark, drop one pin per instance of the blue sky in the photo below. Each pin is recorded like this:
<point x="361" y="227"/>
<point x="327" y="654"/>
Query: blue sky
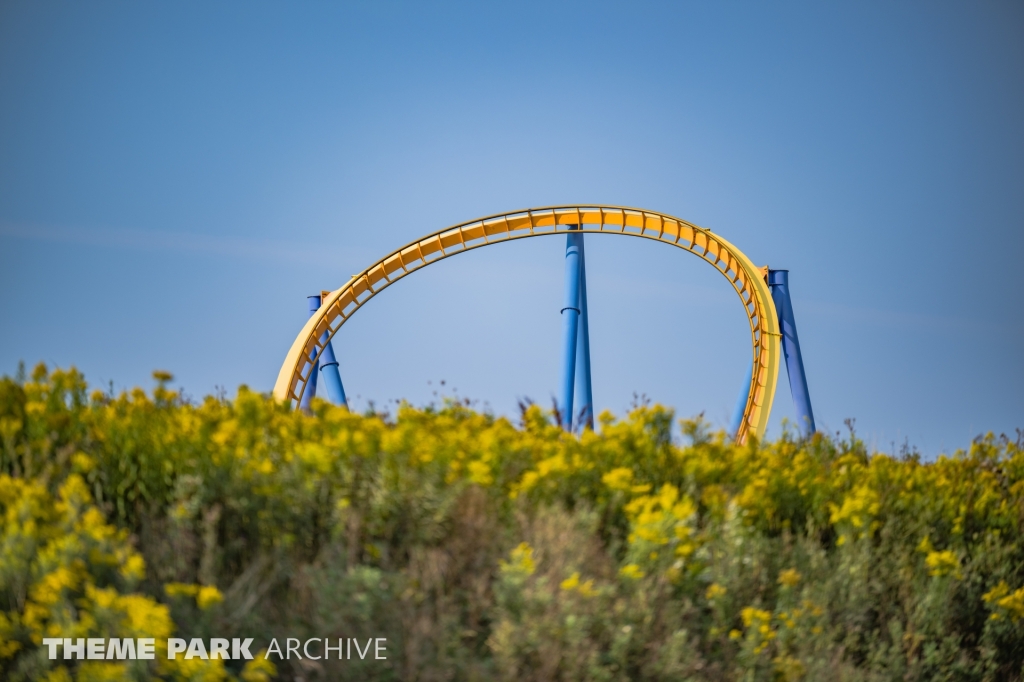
<point x="176" y="178"/>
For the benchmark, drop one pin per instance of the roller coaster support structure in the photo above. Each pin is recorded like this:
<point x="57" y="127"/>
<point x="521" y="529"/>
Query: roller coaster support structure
<point x="307" y="397"/>
<point x="741" y="403"/>
<point x="586" y="412"/>
<point x="574" y="308"/>
<point x="778" y="280"/>
<point x="328" y="365"/>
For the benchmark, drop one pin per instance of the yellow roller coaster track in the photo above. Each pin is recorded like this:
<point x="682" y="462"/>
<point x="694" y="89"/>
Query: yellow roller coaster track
<point x="747" y="280"/>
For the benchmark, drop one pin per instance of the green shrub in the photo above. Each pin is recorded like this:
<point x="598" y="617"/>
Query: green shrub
<point x="486" y="550"/>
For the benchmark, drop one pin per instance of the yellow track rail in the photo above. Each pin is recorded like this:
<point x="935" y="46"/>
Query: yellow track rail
<point x="747" y="279"/>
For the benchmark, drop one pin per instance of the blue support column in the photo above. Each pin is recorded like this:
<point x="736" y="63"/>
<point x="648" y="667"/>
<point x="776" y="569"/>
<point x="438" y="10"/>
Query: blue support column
<point x="310" y="392"/>
<point x="583" y="350"/>
<point x="332" y="377"/>
<point x="741" y="402"/>
<point x="570" y="325"/>
<point x="328" y="366"/>
<point x="778" y="280"/>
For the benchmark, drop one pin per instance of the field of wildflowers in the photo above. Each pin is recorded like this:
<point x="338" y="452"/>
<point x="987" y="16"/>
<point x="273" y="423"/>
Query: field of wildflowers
<point x="483" y="549"/>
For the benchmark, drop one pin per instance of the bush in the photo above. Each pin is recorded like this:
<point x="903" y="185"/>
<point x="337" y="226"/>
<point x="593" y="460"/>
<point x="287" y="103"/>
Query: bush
<point x="486" y="550"/>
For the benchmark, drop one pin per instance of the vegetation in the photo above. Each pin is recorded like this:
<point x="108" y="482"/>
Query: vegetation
<point x="486" y="550"/>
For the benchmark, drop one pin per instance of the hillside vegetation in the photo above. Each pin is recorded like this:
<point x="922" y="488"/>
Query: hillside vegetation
<point x="483" y="549"/>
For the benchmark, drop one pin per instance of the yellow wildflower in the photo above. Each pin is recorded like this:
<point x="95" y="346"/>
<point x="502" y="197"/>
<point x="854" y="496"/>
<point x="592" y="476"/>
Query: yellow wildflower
<point x="480" y="473"/>
<point x="750" y="615"/>
<point x="134" y="567"/>
<point x="631" y="571"/>
<point x="181" y="590"/>
<point x="1004" y="602"/>
<point x="208" y="597"/>
<point x="618" y="479"/>
<point x="943" y="563"/>
<point x="259" y="669"/>
<point x="573" y="584"/>
<point x="522" y="560"/>
<point x="714" y="591"/>
<point x="82" y="463"/>
<point x="790" y="577"/>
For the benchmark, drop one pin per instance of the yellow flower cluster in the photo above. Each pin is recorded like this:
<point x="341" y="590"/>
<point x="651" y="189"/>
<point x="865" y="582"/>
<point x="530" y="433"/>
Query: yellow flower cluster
<point x="521" y="561"/>
<point x="758" y="624"/>
<point x="1005" y="603"/>
<point x="206" y="596"/>
<point x="662" y="519"/>
<point x="790" y="577"/>
<point x="573" y="584"/>
<point x="70" y="569"/>
<point x="715" y="591"/>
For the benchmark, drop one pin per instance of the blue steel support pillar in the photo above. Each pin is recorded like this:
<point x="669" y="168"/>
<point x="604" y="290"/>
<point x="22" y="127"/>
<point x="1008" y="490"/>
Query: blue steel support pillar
<point x="741" y="402"/>
<point x="778" y="280"/>
<point x="570" y="325"/>
<point x="332" y="377"/>
<point x="583" y="350"/>
<point x="329" y="367"/>
<point x="310" y="392"/>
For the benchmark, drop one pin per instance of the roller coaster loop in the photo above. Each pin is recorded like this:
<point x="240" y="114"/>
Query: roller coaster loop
<point x="749" y="282"/>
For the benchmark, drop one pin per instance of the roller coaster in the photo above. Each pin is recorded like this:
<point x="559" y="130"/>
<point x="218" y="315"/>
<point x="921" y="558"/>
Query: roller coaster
<point x="763" y="292"/>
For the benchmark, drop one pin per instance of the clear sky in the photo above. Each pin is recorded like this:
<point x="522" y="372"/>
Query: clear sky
<point x="175" y="178"/>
